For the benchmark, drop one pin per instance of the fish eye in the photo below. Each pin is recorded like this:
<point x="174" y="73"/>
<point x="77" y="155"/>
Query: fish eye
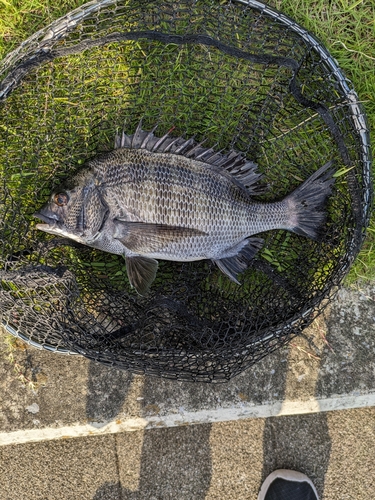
<point x="61" y="199"/>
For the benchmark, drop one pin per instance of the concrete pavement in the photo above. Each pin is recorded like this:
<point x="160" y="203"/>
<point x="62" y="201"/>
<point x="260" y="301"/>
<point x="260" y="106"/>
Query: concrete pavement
<point x="225" y="460"/>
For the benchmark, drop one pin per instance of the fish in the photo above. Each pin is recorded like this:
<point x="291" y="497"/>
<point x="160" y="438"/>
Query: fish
<point x="169" y="198"/>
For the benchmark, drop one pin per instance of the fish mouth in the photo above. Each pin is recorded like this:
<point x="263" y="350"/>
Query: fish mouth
<point x="51" y="225"/>
<point x="51" y="220"/>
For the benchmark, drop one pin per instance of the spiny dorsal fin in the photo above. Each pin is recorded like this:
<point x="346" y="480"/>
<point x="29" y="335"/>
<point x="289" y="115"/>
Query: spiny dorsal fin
<point x="242" y="170"/>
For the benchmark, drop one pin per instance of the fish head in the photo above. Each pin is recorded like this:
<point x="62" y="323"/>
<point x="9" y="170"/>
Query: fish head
<point x="76" y="213"/>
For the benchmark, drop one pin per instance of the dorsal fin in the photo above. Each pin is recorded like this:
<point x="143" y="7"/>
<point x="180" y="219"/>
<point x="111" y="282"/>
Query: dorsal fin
<point x="242" y="170"/>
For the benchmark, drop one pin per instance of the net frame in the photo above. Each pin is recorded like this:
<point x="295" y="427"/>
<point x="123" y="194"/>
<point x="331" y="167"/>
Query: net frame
<point x="41" y="47"/>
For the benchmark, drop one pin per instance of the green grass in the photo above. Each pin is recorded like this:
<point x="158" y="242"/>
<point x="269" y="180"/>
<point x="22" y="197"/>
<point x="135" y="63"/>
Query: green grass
<point x="346" y="28"/>
<point x="21" y="18"/>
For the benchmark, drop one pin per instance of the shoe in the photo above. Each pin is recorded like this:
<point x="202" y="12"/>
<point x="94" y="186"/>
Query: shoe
<point x="286" y="484"/>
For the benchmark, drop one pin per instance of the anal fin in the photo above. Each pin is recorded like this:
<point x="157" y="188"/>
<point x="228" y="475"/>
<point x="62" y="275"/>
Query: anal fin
<point x="141" y="272"/>
<point x="231" y="266"/>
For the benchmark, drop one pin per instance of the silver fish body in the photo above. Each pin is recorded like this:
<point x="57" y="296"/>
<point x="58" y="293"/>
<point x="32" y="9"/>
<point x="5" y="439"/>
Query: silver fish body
<point x="167" y="198"/>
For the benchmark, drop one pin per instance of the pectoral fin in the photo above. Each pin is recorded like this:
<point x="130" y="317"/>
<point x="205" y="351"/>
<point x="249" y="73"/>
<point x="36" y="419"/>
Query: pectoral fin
<point x="231" y="266"/>
<point x="141" y="272"/>
<point x="144" y="237"/>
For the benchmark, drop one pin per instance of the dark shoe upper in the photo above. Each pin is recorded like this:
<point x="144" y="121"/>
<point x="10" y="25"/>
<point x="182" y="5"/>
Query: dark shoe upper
<point x="281" y="489"/>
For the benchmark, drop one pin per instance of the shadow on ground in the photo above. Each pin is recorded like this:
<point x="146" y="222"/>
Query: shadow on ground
<point x="174" y="463"/>
<point x="301" y="443"/>
<point x="181" y="459"/>
<point x="107" y="389"/>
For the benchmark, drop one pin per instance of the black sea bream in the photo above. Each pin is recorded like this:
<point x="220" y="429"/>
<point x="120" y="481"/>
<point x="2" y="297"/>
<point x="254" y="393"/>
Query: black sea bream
<point x="170" y="198"/>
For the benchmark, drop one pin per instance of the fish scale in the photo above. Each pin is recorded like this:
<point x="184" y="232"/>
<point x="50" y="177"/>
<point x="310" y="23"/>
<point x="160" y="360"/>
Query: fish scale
<point x="169" y="198"/>
<point x="194" y="199"/>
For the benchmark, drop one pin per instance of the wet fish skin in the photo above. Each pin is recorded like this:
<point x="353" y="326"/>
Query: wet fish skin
<point x="167" y="198"/>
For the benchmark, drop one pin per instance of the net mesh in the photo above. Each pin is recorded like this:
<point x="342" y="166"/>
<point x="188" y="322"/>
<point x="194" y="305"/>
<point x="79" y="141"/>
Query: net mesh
<point x="238" y="74"/>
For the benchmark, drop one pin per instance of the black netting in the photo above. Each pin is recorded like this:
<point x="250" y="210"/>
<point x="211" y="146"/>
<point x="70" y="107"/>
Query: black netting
<point x="237" y="74"/>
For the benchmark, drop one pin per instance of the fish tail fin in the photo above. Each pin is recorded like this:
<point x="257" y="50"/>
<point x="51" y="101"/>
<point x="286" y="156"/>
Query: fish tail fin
<point x="306" y="203"/>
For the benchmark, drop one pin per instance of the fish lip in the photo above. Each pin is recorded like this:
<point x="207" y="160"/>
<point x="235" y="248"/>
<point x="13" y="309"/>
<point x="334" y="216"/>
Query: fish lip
<point x="49" y="220"/>
<point x="44" y="227"/>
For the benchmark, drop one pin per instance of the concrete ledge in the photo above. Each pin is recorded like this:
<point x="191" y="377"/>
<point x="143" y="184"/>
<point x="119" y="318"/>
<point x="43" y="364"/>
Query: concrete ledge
<point x="187" y="418"/>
